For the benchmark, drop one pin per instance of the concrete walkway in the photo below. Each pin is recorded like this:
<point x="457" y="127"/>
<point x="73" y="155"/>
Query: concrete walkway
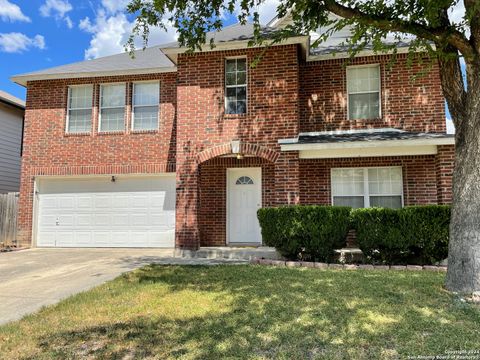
<point x="30" y="279"/>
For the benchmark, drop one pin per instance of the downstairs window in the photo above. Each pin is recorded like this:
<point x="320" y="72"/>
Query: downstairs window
<point x="367" y="187"/>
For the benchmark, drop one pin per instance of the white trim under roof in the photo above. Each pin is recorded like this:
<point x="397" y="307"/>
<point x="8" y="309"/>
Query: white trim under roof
<point x="22" y="79"/>
<point x="172" y="52"/>
<point x="365" y="148"/>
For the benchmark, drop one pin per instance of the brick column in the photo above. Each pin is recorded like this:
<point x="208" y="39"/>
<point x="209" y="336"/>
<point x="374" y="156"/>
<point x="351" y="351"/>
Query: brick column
<point x="287" y="174"/>
<point x="186" y="226"/>
<point x="444" y="162"/>
<point x="25" y="213"/>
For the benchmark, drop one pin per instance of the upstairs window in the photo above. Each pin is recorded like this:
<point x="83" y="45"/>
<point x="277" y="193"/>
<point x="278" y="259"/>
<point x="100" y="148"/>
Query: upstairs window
<point x="79" y="109"/>
<point x="112" y="107"/>
<point x="368" y="187"/>
<point x="146" y="97"/>
<point x="236" y="86"/>
<point x="363" y="86"/>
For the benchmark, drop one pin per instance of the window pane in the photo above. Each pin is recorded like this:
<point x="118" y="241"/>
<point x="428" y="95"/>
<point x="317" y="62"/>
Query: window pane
<point x="241" y="93"/>
<point x="241" y="78"/>
<point x="231" y="65"/>
<point x="113" y="95"/>
<point x="112" y="119"/>
<point x="79" y="121"/>
<point x="145" y="118"/>
<point x="363" y="79"/>
<point x="347" y="182"/>
<point x="236" y="91"/>
<point x="146" y="93"/>
<point x="364" y="106"/>
<point x="241" y="64"/>
<point x="231" y="79"/>
<point x="231" y="107"/>
<point x="241" y="107"/>
<point x="353" y="201"/>
<point x="231" y="93"/>
<point x="81" y="97"/>
<point x="385" y="181"/>
<point x="394" y="202"/>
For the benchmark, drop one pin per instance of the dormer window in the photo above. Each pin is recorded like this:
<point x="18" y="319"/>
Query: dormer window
<point x="236" y="86"/>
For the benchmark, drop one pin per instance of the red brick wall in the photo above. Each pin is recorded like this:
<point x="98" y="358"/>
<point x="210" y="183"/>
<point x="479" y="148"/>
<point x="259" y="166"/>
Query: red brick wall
<point x="213" y="195"/>
<point x="49" y="151"/>
<point x="415" y="105"/>
<point x="444" y="171"/>
<point x="272" y="114"/>
<point x="419" y="177"/>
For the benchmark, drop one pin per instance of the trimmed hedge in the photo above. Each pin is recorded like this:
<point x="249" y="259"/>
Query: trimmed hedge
<point x="305" y="232"/>
<point x="411" y="235"/>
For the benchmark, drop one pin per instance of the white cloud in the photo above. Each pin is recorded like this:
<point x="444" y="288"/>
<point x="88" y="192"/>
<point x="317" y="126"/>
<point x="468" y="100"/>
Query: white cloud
<point x="457" y="13"/>
<point x="58" y="9"/>
<point x="114" y="6"/>
<point x="11" y="12"/>
<point x="110" y="32"/>
<point x="267" y="10"/>
<point x="17" y="42"/>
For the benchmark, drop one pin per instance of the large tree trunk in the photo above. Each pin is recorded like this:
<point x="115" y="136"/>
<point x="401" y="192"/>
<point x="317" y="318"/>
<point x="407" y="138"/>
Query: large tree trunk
<point x="464" y="247"/>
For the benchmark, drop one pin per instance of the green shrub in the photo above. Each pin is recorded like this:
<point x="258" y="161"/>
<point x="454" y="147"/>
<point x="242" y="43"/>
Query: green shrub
<point x="307" y="232"/>
<point x="412" y="235"/>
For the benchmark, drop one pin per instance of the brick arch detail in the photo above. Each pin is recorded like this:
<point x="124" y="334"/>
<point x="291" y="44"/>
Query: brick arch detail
<point x="244" y="148"/>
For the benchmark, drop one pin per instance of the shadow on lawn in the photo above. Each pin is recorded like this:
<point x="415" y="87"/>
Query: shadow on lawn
<point x="270" y="313"/>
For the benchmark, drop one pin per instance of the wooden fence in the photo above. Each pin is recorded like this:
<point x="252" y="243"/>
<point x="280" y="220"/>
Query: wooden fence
<point x="8" y="219"/>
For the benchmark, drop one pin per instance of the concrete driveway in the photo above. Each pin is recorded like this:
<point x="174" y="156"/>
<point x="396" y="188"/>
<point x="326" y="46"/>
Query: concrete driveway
<point x="30" y="279"/>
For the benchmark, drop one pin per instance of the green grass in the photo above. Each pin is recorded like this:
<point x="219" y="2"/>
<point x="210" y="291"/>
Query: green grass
<point x="250" y="312"/>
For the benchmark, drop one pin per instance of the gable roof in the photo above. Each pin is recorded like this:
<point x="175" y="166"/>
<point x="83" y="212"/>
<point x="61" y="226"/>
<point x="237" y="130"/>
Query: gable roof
<point x="150" y="60"/>
<point x="11" y="100"/>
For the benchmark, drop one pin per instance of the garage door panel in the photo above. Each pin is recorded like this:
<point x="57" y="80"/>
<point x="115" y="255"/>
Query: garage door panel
<point x="84" y="202"/>
<point x="103" y="201"/>
<point x="94" y="213"/>
<point x="162" y="239"/>
<point x="65" y="238"/>
<point x="84" y="220"/>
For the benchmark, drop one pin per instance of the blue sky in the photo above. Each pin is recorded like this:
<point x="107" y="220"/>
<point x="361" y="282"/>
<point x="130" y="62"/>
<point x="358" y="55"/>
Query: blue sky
<point x="38" y="34"/>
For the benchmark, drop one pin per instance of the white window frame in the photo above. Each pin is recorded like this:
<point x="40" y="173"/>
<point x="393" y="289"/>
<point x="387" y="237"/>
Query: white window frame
<point x="67" y="118"/>
<point x="366" y="193"/>
<point x="231" y="86"/>
<point x="100" y="107"/>
<point x="364" y="92"/>
<point x="132" y="125"/>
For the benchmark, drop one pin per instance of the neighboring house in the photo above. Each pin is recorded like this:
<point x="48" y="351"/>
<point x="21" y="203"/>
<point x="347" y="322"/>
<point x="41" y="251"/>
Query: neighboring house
<point x="178" y="149"/>
<point x="12" y="111"/>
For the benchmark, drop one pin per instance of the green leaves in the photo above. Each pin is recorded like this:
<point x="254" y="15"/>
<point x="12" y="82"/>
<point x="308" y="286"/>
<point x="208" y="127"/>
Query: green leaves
<point x="412" y="235"/>
<point x="306" y="232"/>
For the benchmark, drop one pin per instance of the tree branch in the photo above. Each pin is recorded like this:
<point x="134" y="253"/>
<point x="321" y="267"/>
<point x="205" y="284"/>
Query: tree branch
<point x="438" y="35"/>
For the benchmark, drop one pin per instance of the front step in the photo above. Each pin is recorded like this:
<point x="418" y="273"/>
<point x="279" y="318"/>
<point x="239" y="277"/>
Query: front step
<point x="232" y="253"/>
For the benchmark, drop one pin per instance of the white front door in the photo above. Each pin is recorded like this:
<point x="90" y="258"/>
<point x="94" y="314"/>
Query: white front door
<point x="244" y="198"/>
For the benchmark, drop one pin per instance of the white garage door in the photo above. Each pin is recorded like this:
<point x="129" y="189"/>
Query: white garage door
<point x="99" y="212"/>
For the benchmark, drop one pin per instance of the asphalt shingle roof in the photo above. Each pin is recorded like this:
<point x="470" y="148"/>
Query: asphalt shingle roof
<point x="12" y="100"/>
<point x="323" y="138"/>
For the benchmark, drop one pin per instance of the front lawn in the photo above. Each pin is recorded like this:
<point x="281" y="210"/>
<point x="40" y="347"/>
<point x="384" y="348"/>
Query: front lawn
<point x="251" y="312"/>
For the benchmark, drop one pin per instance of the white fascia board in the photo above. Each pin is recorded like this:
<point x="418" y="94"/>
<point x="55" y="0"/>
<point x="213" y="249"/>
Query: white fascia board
<point x="23" y="79"/>
<point x="235" y="45"/>
<point x="344" y="54"/>
<point x="368" y="144"/>
<point x="368" y="152"/>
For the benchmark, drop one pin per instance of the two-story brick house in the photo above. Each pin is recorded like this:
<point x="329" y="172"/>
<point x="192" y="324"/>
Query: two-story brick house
<point x="177" y="149"/>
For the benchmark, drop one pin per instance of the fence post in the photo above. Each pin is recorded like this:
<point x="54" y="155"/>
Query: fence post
<point x="8" y="219"/>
